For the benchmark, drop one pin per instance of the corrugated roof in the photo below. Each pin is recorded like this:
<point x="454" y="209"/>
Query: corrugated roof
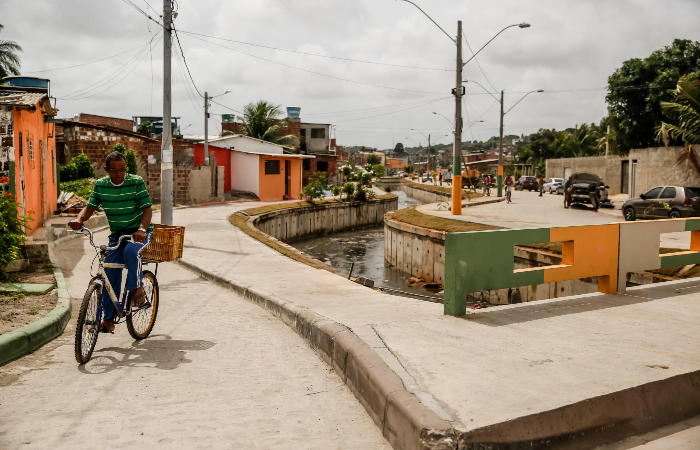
<point x="20" y="98"/>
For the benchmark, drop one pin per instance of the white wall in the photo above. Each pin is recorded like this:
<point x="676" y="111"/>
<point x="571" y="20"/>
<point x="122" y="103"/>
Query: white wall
<point x="246" y="144"/>
<point x="245" y="172"/>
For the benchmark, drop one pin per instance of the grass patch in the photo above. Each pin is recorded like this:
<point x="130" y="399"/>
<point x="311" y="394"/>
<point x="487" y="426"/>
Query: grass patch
<point x="33" y="312"/>
<point x="413" y="217"/>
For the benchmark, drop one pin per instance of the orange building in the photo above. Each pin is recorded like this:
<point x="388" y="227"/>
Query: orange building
<point x="28" y="147"/>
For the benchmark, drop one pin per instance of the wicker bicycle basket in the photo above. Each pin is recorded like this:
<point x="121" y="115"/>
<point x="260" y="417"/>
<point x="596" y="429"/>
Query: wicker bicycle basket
<point x="166" y="244"/>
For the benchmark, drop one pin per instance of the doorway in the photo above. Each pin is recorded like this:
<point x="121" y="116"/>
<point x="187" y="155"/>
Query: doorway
<point x="625" y="177"/>
<point x="287" y="177"/>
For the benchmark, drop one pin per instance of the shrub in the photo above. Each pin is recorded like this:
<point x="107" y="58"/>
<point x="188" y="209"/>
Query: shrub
<point x="132" y="165"/>
<point x="316" y="189"/>
<point x="349" y="190"/>
<point x="360" y="194"/>
<point x="387" y="189"/>
<point x="69" y="172"/>
<point x="84" y="165"/>
<point x="366" y="179"/>
<point x="119" y="147"/>
<point x="82" y="188"/>
<point x="11" y="230"/>
<point x="336" y="191"/>
<point x="378" y="170"/>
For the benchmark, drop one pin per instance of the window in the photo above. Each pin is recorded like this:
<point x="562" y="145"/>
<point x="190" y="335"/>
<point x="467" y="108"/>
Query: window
<point x="692" y="192"/>
<point x="322" y="166"/>
<point x="669" y="192"/>
<point x="30" y="149"/>
<point x="272" y="167"/>
<point x="318" y="133"/>
<point x="653" y="193"/>
<point x="10" y="129"/>
<point x="306" y="164"/>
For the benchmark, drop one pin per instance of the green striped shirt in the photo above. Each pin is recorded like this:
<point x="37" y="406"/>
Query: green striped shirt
<point x="123" y="204"/>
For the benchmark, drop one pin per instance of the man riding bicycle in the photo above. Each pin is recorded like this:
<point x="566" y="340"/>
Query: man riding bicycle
<point x="509" y="186"/>
<point x="127" y="204"/>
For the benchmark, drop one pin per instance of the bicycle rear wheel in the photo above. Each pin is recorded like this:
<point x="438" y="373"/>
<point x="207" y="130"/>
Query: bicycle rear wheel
<point x="89" y="319"/>
<point x="140" y="322"/>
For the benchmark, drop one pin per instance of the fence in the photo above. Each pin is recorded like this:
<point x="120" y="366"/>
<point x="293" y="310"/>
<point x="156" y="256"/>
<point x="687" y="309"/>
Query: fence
<point x="483" y="260"/>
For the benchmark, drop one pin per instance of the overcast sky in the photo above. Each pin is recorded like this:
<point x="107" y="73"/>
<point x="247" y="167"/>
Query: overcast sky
<point x="573" y="45"/>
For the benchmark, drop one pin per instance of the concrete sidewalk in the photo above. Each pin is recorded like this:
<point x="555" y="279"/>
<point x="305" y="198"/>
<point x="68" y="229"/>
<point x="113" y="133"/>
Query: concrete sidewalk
<point x="526" y="373"/>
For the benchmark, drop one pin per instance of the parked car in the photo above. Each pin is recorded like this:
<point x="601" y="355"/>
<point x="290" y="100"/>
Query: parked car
<point x="426" y="177"/>
<point x="525" y="182"/>
<point x="581" y="181"/>
<point x="552" y="184"/>
<point x="664" y="202"/>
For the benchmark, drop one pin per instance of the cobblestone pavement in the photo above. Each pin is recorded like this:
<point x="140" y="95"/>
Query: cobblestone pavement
<point x="217" y="372"/>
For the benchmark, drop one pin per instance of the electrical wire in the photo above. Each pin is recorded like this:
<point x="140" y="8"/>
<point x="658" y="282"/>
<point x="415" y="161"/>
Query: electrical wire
<point x="184" y="60"/>
<point x="316" y="73"/>
<point x="394" y="112"/>
<point x="227" y="107"/>
<point x="144" y="13"/>
<point x="316" y="54"/>
<point x="80" y="94"/>
<point x="477" y="62"/>
<point x="351" y="111"/>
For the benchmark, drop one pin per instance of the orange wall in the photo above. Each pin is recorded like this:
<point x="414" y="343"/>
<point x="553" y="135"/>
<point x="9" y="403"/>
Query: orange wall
<point x="31" y="125"/>
<point x="395" y="163"/>
<point x="272" y="186"/>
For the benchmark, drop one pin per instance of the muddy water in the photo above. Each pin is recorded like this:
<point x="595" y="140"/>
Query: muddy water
<point x="366" y="248"/>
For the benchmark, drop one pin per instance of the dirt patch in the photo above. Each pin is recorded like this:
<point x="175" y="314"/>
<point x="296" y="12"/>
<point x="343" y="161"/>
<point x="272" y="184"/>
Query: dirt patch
<point x="18" y="310"/>
<point x="419" y="282"/>
<point x="412" y="217"/>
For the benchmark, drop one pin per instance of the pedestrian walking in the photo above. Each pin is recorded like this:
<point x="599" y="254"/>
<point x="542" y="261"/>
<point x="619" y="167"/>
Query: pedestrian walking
<point x="440" y="177"/>
<point x="541" y="183"/>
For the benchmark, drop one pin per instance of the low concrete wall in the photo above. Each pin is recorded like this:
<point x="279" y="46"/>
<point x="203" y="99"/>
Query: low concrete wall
<point x="414" y="190"/>
<point x="421" y="252"/>
<point x="298" y="223"/>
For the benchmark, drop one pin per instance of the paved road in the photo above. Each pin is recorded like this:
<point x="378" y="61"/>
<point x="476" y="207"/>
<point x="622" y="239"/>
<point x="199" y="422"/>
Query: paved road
<point x="218" y="372"/>
<point x="528" y="210"/>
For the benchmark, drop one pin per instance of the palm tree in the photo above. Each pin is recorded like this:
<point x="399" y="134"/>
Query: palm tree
<point x="9" y="61"/>
<point x="262" y="121"/>
<point x="685" y="111"/>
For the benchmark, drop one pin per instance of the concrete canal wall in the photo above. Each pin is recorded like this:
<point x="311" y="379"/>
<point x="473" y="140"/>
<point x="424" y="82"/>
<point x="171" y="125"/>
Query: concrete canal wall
<point x="421" y="252"/>
<point x="414" y="190"/>
<point x="297" y="223"/>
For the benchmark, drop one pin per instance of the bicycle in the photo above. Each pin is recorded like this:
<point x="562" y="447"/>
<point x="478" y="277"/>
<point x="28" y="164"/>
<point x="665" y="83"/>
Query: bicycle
<point x="139" y="321"/>
<point x="508" y="193"/>
<point x="487" y="190"/>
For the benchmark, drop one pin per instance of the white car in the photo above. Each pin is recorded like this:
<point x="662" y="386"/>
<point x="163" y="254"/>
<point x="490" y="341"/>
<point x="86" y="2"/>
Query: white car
<point x="552" y="184"/>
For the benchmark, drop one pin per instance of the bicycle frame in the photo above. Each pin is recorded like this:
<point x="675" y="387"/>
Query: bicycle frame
<point x="101" y="276"/>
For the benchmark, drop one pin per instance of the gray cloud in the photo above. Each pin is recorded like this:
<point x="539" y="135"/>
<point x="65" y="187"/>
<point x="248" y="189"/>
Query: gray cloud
<point x="571" y="45"/>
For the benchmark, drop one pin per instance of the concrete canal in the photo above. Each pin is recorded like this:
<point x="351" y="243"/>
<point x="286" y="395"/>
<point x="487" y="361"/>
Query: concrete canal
<point x="364" y="247"/>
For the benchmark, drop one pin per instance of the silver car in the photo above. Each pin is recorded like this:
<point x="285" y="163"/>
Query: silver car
<point x="552" y="184"/>
<point x="664" y="202"/>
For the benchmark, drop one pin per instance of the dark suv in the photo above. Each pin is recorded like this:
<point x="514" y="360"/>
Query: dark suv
<point x="664" y="202"/>
<point x="529" y="183"/>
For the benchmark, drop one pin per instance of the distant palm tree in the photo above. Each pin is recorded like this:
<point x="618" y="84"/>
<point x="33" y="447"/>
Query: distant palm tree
<point x="262" y="121"/>
<point x="9" y="61"/>
<point x="685" y="111"/>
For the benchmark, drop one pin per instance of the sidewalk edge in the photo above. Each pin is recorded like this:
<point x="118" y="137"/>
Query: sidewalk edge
<point x="32" y="337"/>
<point x="405" y="422"/>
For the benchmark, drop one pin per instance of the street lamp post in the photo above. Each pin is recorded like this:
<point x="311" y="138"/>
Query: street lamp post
<point x="458" y="92"/>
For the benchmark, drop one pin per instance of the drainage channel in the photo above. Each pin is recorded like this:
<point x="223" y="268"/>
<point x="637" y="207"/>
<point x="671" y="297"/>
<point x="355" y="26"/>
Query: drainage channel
<point x="365" y="248"/>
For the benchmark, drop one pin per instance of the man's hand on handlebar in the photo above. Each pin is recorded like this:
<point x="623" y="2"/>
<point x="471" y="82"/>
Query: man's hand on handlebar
<point x="139" y="236"/>
<point x="76" y="223"/>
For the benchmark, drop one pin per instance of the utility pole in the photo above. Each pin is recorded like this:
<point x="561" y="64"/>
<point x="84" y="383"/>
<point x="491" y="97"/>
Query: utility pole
<point x="428" y="164"/>
<point x="166" y="153"/>
<point x="457" y="150"/>
<point x="500" y="153"/>
<point x="206" y="128"/>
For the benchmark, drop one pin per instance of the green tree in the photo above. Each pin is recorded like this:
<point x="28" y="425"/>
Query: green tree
<point x="349" y="190"/>
<point x="12" y="233"/>
<point x="132" y="164"/>
<point x="684" y="111"/>
<point x="316" y="189"/>
<point x="378" y="170"/>
<point x="399" y="149"/>
<point x="373" y="160"/>
<point x="146" y="128"/>
<point x="84" y="166"/>
<point x="262" y="120"/>
<point x="9" y="61"/>
<point x="637" y="89"/>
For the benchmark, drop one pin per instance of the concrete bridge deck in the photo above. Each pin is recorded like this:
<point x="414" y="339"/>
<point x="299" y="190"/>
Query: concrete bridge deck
<point x="526" y="373"/>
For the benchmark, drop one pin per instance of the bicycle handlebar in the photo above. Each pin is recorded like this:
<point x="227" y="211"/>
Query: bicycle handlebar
<point x="127" y="237"/>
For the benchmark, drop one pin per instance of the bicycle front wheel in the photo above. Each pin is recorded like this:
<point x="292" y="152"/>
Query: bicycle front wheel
<point x="140" y="322"/>
<point x="89" y="319"/>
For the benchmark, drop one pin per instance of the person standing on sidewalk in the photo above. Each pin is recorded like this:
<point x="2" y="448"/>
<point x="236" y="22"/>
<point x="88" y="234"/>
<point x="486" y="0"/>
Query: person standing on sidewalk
<point x="593" y="194"/>
<point x="567" y="193"/>
<point x="440" y="177"/>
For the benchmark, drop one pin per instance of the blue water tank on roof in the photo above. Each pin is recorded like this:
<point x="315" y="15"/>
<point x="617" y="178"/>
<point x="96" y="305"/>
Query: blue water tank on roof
<point x="293" y="112"/>
<point x="30" y="82"/>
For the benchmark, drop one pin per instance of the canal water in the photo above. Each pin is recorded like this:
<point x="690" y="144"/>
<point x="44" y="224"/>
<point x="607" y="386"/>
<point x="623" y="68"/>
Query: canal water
<point x="365" y="247"/>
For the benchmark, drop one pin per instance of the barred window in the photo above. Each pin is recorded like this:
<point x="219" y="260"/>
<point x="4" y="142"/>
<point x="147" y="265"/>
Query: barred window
<point x="30" y="150"/>
<point x="272" y="167"/>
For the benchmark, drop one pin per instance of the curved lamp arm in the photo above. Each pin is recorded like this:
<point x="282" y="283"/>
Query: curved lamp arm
<point x="520" y="25"/>
<point x="538" y="90"/>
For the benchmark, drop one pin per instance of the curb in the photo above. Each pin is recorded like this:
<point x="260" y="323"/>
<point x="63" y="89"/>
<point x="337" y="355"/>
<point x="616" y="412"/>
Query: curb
<point x="32" y="337"/>
<point x="478" y="202"/>
<point x="405" y="422"/>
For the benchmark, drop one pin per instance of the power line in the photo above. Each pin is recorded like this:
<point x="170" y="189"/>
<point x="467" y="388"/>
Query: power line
<point x="184" y="60"/>
<point x="91" y="62"/>
<point x="394" y="112"/>
<point x="317" y="73"/>
<point x="317" y="55"/>
<point x="141" y="11"/>
<point x="227" y="107"/>
<point x="351" y="111"/>
<point x="477" y="62"/>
